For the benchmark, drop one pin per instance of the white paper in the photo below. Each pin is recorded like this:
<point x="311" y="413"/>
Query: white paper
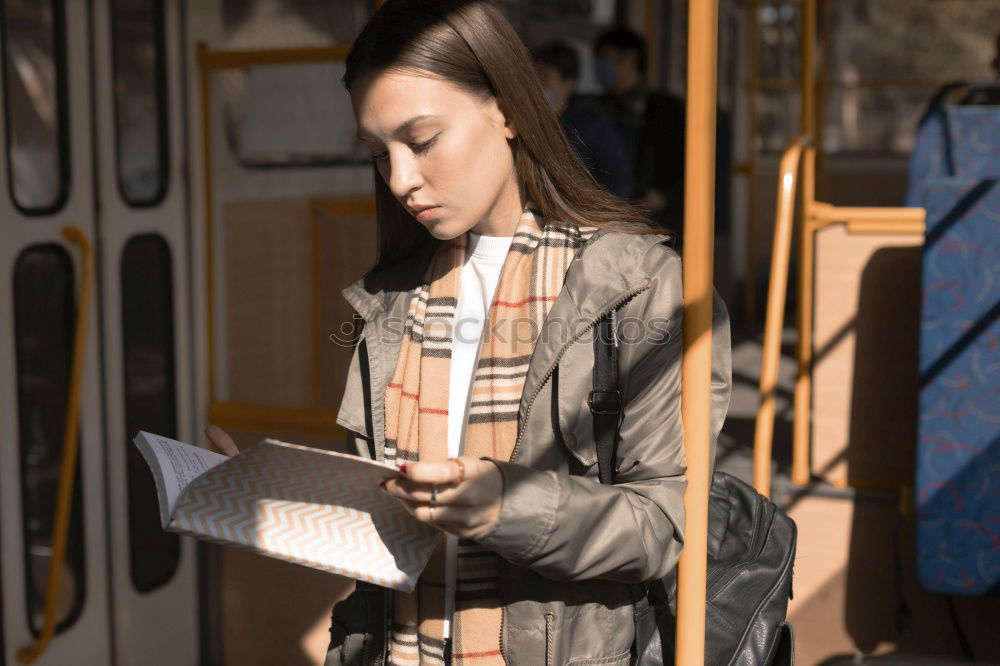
<point x="174" y="465"/>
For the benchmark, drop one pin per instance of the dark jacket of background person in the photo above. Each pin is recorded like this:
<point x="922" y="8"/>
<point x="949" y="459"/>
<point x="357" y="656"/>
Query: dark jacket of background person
<point x="592" y="134"/>
<point x="598" y="142"/>
<point x="652" y="125"/>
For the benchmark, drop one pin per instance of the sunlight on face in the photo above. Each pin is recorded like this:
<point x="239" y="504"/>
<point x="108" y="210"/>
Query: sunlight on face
<point x="439" y="146"/>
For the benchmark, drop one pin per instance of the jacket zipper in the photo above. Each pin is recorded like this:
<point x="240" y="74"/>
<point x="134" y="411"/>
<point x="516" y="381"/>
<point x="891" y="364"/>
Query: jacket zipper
<point x="550" y="621"/>
<point x="538" y="389"/>
<point x="548" y="373"/>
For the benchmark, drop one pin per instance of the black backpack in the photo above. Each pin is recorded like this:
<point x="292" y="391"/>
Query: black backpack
<point x="751" y="548"/>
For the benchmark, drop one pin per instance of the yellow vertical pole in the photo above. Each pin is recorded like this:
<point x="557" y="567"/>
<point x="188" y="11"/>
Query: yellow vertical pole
<point x="696" y="372"/>
<point x="803" y="348"/>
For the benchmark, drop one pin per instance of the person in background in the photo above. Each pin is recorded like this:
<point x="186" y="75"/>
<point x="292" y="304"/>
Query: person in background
<point x="589" y="130"/>
<point x="652" y="125"/>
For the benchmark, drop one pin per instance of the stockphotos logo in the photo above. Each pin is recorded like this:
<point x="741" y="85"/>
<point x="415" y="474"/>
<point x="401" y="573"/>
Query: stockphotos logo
<point x="629" y="330"/>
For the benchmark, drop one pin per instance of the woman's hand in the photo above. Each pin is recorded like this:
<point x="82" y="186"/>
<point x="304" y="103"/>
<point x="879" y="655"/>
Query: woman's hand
<point x="222" y="441"/>
<point x="466" y="507"/>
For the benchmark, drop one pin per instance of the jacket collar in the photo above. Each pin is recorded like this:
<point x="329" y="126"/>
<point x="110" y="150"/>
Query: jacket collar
<point x="608" y="265"/>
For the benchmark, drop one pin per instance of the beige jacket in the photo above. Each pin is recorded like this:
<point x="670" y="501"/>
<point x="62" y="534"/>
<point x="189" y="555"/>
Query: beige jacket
<point x="576" y="553"/>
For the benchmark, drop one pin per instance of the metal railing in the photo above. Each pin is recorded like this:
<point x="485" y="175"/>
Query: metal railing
<point x="67" y="468"/>
<point x="815" y="215"/>
<point x="775" y="317"/>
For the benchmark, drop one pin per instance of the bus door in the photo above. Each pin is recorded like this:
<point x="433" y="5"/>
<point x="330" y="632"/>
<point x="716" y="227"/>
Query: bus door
<point x="91" y="107"/>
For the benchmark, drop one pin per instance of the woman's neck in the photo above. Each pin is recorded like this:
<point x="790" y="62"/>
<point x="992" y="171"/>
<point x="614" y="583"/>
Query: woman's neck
<point x="505" y="214"/>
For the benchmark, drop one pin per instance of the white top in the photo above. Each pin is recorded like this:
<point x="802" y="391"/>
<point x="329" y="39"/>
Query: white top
<point x="484" y="259"/>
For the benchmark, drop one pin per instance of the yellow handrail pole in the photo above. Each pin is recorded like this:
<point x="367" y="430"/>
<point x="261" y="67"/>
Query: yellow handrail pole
<point x="696" y="372"/>
<point x="824" y="213"/>
<point x="774" y="319"/>
<point x="67" y="467"/>
<point x="803" y="342"/>
<point x="753" y="88"/>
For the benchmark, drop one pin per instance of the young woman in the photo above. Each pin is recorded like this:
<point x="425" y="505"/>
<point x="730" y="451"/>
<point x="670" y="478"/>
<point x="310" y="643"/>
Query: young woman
<point x="498" y="253"/>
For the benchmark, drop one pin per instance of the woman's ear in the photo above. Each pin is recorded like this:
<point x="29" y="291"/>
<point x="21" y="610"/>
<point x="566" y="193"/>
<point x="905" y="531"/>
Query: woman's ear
<point x="510" y="131"/>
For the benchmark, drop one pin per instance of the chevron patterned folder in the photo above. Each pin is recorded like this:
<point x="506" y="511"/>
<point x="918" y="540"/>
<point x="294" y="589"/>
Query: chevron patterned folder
<point x="316" y="508"/>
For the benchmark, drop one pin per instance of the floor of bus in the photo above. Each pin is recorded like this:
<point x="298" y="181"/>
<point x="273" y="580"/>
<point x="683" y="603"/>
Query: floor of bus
<point x="851" y="598"/>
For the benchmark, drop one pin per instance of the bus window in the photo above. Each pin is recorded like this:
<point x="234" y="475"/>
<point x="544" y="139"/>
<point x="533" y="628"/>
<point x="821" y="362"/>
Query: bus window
<point x="291" y="115"/>
<point x="35" y="95"/>
<point x="44" y="322"/>
<point x="140" y="92"/>
<point x="150" y="399"/>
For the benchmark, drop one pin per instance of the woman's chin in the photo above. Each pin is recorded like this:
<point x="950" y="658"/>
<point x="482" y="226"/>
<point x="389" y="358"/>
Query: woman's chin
<point x="444" y="231"/>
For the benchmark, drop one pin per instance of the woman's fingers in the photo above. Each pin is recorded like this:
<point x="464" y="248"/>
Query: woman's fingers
<point x="468" y="509"/>
<point x="462" y="521"/>
<point x="421" y="479"/>
<point x="221" y="440"/>
<point x="443" y="472"/>
<point x="422" y="493"/>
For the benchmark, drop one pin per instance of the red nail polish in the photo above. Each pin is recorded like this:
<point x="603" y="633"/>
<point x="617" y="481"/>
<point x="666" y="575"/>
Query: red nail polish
<point x="382" y="485"/>
<point x="402" y="468"/>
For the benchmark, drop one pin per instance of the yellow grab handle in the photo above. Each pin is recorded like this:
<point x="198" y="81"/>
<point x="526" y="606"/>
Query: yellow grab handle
<point x="774" y="319"/>
<point x="64" y="497"/>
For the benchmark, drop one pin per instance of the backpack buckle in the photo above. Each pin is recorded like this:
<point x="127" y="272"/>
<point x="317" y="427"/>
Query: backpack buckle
<point x="605" y="402"/>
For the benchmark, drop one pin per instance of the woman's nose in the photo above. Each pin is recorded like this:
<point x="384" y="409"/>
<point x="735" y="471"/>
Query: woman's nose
<point x="404" y="175"/>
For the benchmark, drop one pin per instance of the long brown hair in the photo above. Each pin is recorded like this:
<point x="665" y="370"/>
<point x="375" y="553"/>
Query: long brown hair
<point x="471" y="44"/>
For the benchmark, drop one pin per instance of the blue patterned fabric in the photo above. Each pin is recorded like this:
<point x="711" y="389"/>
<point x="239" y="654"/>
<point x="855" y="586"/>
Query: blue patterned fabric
<point x="958" y="456"/>
<point x="954" y="142"/>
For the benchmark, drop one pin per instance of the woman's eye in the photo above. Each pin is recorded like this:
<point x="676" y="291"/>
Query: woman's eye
<point x="421" y="147"/>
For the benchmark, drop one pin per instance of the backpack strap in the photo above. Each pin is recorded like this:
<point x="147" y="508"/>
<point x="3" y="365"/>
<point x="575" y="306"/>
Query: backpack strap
<point x="606" y="399"/>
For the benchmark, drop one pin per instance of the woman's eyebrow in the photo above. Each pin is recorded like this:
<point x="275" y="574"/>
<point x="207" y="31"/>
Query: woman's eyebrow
<point x="403" y="127"/>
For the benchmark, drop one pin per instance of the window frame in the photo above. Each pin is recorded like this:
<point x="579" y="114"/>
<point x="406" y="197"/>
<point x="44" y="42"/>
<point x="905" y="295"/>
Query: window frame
<point x="62" y="111"/>
<point x="162" y="105"/>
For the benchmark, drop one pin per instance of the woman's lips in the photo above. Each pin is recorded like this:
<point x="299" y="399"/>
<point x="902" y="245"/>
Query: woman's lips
<point x="427" y="214"/>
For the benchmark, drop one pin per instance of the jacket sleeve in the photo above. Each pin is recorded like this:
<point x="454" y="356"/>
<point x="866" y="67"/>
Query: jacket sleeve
<point x="569" y="527"/>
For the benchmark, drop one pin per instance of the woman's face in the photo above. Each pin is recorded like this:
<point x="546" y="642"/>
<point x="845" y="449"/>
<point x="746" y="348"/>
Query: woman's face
<point x="439" y="146"/>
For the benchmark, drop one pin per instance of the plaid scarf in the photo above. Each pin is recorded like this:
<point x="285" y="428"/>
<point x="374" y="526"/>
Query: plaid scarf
<point x="416" y="423"/>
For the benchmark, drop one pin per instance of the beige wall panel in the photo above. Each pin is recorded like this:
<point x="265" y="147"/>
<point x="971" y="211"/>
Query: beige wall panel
<point x="286" y="262"/>
<point x="347" y="250"/>
<point x="865" y="370"/>
<point x="267" y="302"/>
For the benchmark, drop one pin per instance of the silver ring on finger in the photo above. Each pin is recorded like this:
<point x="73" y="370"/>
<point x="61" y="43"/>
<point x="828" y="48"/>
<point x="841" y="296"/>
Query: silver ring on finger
<point x="434" y="496"/>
